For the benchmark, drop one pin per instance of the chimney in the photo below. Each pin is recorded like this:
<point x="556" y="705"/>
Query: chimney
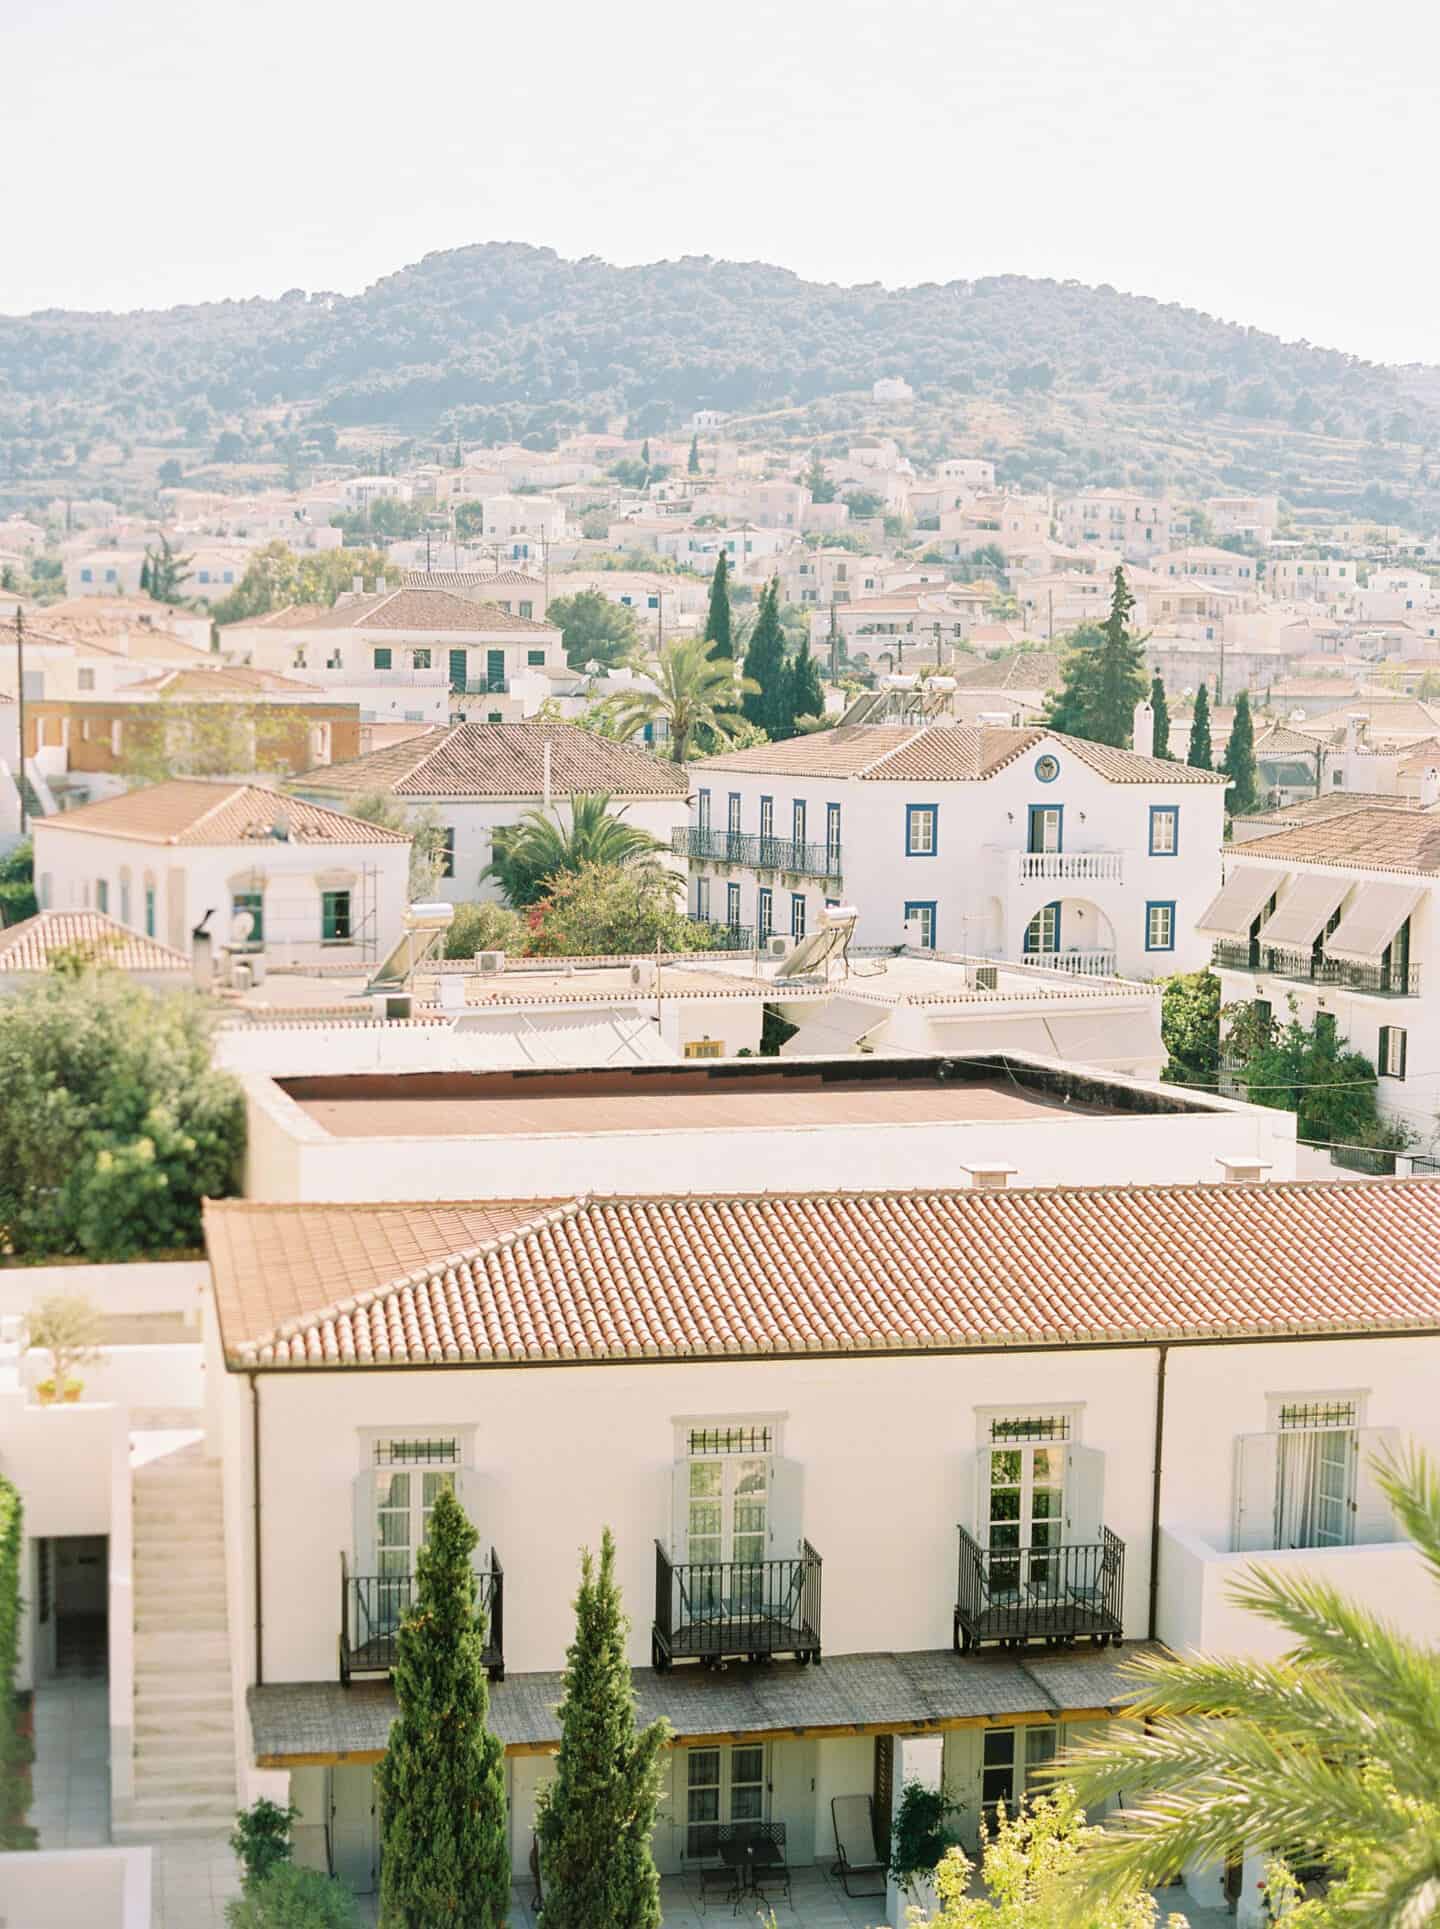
<point x="1355" y="724"/>
<point x="989" y="1176"/>
<point x="1143" y="735"/>
<point x="1242" y="1168"/>
<point x="357" y="585"/>
<point x="379" y="585"/>
<point x="1429" y="788"/>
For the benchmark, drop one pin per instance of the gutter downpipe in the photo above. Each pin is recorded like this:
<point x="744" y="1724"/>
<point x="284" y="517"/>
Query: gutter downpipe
<point x="255" y="1499"/>
<point x="1162" y="1362"/>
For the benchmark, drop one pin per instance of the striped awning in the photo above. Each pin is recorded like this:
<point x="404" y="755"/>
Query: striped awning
<point x="1244" y="895"/>
<point x="1304" y="912"/>
<point x="1375" y="915"/>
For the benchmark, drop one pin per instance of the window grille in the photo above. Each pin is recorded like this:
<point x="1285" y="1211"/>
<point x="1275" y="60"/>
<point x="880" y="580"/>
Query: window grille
<point x="705" y="1441"/>
<point x="1318" y="1413"/>
<point x="1048" y="1426"/>
<point x="416" y="1453"/>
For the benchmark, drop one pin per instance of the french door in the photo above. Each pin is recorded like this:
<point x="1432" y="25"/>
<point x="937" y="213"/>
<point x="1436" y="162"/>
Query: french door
<point x="404" y="1501"/>
<point x="722" y="1785"/>
<point x="727" y="1528"/>
<point x="1045" y="820"/>
<point x="1026" y="1518"/>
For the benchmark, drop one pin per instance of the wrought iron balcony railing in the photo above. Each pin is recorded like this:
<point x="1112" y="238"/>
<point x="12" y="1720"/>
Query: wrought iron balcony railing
<point x="1018" y="1594"/>
<point x="479" y="686"/>
<point x="759" y="853"/>
<point x="372" y="1606"/>
<point x="712" y="1610"/>
<point x="1385" y="980"/>
<point x="720" y="936"/>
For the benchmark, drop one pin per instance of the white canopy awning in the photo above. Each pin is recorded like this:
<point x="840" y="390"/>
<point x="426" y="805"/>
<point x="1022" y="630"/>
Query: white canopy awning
<point x="1244" y="895"/>
<point x="834" y="1028"/>
<point x="1304" y="911"/>
<point x="1375" y="915"/>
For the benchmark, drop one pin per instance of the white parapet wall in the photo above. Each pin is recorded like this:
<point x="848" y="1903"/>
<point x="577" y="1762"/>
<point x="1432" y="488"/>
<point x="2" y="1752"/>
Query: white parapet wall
<point x="166" y="1286"/>
<point x="76" y="1889"/>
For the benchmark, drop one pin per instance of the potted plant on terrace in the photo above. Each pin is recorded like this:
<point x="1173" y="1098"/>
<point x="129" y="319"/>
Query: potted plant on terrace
<point x="69" y="1329"/>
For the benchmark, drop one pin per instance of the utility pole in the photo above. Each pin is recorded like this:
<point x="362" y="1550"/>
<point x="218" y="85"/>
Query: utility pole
<point x="938" y="658"/>
<point x="1220" y="680"/>
<point x="20" y="700"/>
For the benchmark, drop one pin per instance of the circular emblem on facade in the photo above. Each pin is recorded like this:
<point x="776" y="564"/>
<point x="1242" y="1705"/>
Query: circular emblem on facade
<point x="1047" y="768"/>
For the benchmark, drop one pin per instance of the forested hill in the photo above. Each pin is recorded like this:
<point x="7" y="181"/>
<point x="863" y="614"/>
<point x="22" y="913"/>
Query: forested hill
<point x="459" y="335"/>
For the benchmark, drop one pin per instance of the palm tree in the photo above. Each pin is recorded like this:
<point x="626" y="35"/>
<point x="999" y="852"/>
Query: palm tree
<point x="538" y="847"/>
<point x="696" y="694"/>
<point x="1329" y="1754"/>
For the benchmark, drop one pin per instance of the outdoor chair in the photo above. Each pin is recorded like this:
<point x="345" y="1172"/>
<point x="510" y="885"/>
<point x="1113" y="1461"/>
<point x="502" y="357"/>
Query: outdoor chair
<point x="769" y="1863"/>
<point x="785" y="1609"/>
<point x="854" y="1819"/>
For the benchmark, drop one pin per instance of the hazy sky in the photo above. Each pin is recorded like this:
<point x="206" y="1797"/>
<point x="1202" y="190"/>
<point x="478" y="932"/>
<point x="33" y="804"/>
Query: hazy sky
<point x="1272" y="163"/>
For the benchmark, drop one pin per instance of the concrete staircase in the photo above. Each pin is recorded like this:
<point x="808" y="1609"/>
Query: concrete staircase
<point x="184" y="1718"/>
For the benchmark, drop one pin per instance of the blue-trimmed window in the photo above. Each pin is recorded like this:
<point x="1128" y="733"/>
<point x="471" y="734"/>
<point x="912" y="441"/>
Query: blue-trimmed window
<point x="1045" y="830"/>
<point x="1164" y="830"/>
<point x="764" y="913"/>
<point x="922" y="830"/>
<point x="1160" y="925"/>
<point x="922" y="912"/>
<point x="797" y="915"/>
<point x="732" y="813"/>
<point x="702" y="810"/>
<point x="732" y="904"/>
<point x="832" y="835"/>
<point x="767" y="831"/>
<point x="1042" y="933"/>
<point x="797" y="821"/>
<point x="702" y="897"/>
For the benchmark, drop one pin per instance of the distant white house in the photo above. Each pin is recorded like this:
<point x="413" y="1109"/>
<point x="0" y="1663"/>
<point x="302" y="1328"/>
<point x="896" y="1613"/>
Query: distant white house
<point x="891" y="388"/>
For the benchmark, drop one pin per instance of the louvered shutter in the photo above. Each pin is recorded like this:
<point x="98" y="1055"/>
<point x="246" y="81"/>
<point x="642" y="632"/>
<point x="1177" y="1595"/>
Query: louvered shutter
<point x="1257" y="1460"/>
<point x="787" y="1507"/>
<point x="362" y="1544"/>
<point x="1084" y="1495"/>
<point x="1373" y="1519"/>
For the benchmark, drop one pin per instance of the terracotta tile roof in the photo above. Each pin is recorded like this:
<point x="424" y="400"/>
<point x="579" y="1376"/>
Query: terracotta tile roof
<point x="502" y="760"/>
<point x="31" y="945"/>
<point x="425" y="609"/>
<point x="941" y="753"/>
<point x="1386" y="839"/>
<point x="1330" y="803"/>
<point x="190" y="810"/>
<point x="291" y="617"/>
<point x="272" y="1263"/>
<point x="698" y="1277"/>
<point x="1022" y="670"/>
<point x="469" y="579"/>
<point x="228" y="680"/>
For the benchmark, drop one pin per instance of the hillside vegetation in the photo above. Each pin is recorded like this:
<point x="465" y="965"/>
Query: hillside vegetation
<point x="504" y="339"/>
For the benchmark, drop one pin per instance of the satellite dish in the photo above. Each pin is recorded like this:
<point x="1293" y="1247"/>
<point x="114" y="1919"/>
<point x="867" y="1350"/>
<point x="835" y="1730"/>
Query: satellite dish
<point x="241" y="925"/>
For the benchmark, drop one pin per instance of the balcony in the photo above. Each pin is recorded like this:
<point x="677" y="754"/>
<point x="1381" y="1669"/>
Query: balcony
<point x="372" y="1606"/>
<point x="719" y="936"/>
<point x="759" y="853"/>
<point x="712" y="1611"/>
<point x="480" y="686"/>
<point x="1380" y="979"/>
<point x="1066" y="867"/>
<point x="1050" y="1594"/>
<point x="1074" y="963"/>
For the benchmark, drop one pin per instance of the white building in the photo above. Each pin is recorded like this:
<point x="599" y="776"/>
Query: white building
<point x="1340" y="919"/>
<point x="984" y="839"/>
<point x="315" y="885"/>
<point x="104" y="572"/>
<point x="479" y="777"/>
<point x="630" y="1362"/>
<point x="410" y="655"/>
<point x="1137" y="525"/>
<point x="529" y="520"/>
<point x="891" y="388"/>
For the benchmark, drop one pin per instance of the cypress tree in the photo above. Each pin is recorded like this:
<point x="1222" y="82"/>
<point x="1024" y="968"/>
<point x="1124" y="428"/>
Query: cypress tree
<point x="1160" y="735"/>
<point x="145" y="575"/>
<point x="1238" y="763"/>
<point x="442" y="1780"/>
<point x="1121" y="682"/>
<point x="693" y="466"/>
<point x="596" y="1819"/>
<point x="645" y="452"/>
<point x="768" y="705"/>
<point x="1200" y="756"/>
<point x="807" y="697"/>
<point x="717" y="622"/>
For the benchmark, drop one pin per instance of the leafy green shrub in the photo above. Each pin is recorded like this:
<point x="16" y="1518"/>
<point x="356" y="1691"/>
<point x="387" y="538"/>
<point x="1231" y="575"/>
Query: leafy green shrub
<point x="485" y="927"/>
<point x="15" y="1749"/>
<point x="291" y="1898"/>
<point x="261" y="1839"/>
<point x="114" y="1125"/>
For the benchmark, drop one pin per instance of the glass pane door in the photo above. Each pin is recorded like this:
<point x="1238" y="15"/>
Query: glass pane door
<point x="723" y="1785"/>
<point x="403" y="1505"/>
<point x="1044" y="828"/>
<point x="1027" y="1491"/>
<point x="1332" y="1489"/>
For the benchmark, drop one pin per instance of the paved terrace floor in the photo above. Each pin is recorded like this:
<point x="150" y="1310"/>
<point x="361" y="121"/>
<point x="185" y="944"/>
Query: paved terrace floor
<point x="453" y="1107"/>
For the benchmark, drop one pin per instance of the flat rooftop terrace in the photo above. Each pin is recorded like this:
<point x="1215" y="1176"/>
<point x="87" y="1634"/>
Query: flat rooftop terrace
<point x="734" y="1095"/>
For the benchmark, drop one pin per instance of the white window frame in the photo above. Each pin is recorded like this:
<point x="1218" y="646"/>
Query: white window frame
<point x="724" y="1786"/>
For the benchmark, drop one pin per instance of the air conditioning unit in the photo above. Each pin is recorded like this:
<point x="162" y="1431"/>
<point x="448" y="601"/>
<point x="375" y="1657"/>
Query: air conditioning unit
<point x="987" y="977"/>
<point x="490" y="963"/>
<point x="241" y="976"/>
<point x="778" y="947"/>
<point x="642" y="975"/>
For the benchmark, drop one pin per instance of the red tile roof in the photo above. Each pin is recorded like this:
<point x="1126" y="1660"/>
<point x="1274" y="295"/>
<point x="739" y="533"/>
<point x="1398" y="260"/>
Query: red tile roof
<point x="425" y="609"/>
<point x="942" y="753"/>
<point x="502" y="760"/>
<point x="190" y="810"/>
<point x="1389" y="837"/>
<point x="697" y="1277"/>
<point x="32" y="944"/>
